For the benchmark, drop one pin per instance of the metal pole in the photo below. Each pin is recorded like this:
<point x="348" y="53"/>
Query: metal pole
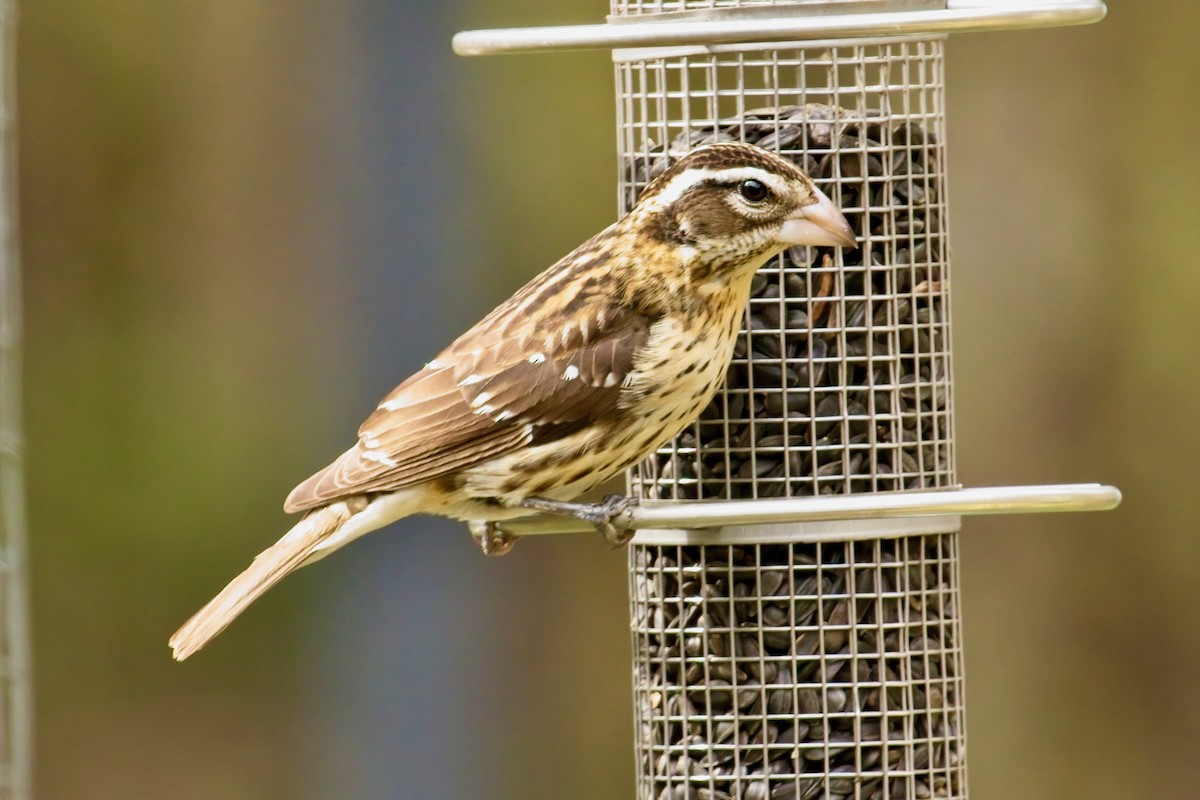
<point x="16" y="733"/>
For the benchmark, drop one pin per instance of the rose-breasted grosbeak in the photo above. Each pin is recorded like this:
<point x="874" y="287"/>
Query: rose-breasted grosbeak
<point x="584" y="371"/>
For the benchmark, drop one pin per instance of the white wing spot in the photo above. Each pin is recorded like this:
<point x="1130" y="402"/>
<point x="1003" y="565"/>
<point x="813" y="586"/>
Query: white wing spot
<point x="433" y="364"/>
<point x="370" y="440"/>
<point x="571" y="372"/>
<point x="470" y="379"/>
<point x="537" y="358"/>
<point x="379" y="458"/>
<point x="610" y="380"/>
<point x="566" y="333"/>
<point x="485" y="409"/>
<point x="504" y="415"/>
<point x="480" y="399"/>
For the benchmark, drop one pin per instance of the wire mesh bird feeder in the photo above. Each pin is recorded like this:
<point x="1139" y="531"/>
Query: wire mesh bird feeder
<point x="794" y="582"/>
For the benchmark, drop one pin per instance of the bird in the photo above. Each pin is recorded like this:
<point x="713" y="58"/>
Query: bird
<point x="587" y="369"/>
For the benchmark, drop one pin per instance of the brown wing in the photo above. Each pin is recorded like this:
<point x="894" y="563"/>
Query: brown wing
<point x="500" y="386"/>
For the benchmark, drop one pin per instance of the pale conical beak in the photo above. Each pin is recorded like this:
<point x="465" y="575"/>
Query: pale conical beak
<point x="819" y="223"/>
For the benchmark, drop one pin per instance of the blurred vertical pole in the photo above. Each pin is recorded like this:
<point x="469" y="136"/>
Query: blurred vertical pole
<point x="397" y="649"/>
<point x="16" y="734"/>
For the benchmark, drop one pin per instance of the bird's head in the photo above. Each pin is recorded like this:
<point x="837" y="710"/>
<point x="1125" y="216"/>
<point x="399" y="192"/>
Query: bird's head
<point x="729" y="207"/>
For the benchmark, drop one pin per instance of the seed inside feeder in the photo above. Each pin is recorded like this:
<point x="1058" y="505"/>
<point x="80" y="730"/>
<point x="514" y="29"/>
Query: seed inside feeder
<point x="769" y="670"/>
<point x="789" y="672"/>
<point x="840" y="379"/>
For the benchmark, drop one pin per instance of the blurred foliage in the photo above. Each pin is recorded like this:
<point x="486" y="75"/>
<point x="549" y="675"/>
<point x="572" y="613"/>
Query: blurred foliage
<point x="181" y="250"/>
<point x="172" y="259"/>
<point x="1074" y="182"/>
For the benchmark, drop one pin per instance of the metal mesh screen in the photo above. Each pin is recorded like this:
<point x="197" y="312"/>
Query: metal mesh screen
<point x="841" y="380"/>
<point x="797" y="671"/>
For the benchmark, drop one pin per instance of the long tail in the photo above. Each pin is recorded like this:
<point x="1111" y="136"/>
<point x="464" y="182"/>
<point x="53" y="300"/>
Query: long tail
<point x="312" y="538"/>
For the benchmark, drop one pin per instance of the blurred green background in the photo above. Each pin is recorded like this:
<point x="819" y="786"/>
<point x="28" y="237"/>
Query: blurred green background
<point x="244" y="220"/>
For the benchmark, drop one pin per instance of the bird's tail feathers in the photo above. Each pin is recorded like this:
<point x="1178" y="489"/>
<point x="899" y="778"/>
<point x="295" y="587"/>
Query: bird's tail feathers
<point x="312" y="538"/>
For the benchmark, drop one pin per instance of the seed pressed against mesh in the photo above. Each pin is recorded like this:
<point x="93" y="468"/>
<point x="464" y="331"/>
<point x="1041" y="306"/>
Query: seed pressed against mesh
<point x="840" y="379"/>
<point x="789" y="672"/>
<point x="799" y="671"/>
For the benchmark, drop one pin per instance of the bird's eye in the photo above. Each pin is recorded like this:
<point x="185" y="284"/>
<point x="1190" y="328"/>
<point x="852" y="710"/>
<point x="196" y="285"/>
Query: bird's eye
<point x="753" y="191"/>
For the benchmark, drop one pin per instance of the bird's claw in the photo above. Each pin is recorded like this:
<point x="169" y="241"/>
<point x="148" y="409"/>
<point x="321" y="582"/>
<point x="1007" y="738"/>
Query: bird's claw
<point x="604" y="515"/>
<point x="616" y="537"/>
<point x="492" y="541"/>
<point x="613" y="507"/>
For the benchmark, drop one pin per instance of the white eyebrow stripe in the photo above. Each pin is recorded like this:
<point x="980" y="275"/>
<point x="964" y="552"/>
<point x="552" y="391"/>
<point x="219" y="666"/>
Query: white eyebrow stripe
<point x="691" y="177"/>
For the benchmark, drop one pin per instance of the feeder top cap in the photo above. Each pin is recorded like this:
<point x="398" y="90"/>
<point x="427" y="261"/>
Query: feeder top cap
<point x="673" y="23"/>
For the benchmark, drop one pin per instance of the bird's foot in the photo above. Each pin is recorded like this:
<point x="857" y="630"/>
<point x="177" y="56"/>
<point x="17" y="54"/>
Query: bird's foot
<point x="608" y="516"/>
<point x="492" y="541"/>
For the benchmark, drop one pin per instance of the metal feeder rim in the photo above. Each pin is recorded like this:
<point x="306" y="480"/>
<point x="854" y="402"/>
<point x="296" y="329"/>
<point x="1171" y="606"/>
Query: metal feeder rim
<point x="635" y="54"/>
<point x="786" y="23"/>
<point x="947" y="504"/>
<point x="843" y="530"/>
